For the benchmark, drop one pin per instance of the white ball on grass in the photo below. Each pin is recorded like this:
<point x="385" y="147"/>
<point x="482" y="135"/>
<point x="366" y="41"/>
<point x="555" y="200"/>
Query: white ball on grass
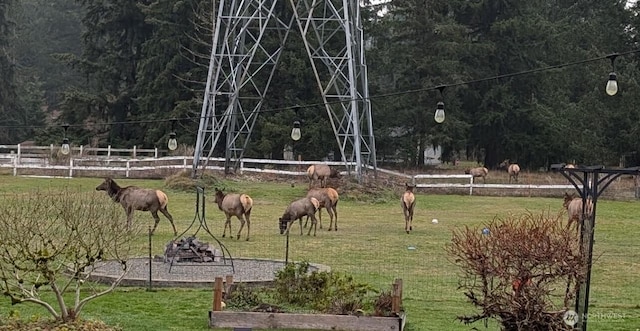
<point x="434" y="221"/>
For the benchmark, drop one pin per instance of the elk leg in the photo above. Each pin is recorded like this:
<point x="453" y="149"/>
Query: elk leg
<point x="300" y="222"/>
<point x="165" y="212"/>
<point x="129" y="218"/>
<point x="335" y="213"/>
<point x="314" y="224"/>
<point x="241" y="227"/>
<point x="156" y="219"/>
<point x="247" y="215"/>
<point x="227" y="222"/>
<point x="320" y="218"/>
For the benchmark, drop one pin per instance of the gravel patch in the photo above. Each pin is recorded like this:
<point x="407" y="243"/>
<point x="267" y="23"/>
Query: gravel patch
<point x="245" y="270"/>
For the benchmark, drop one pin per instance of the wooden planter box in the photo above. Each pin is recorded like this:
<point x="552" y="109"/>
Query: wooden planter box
<point x="230" y="319"/>
<point x="255" y="320"/>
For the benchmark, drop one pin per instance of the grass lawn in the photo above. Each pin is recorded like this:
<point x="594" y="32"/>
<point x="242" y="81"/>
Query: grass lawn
<point x="370" y="244"/>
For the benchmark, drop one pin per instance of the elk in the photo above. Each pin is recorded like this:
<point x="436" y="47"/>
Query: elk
<point x="478" y="172"/>
<point x="238" y="205"/>
<point x="328" y="198"/>
<point x="573" y="205"/>
<point x="134" y="198"/>
<point x="512" y="168"/>
<point x="408" y="202"/>
<point x="296" y="210"/>
<point x="321" y="172"/>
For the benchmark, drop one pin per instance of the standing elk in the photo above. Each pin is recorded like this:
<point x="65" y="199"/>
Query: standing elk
<point x="238" y="205"/>
<point x="321" y="172"/>
<point x="408" y="202"/>
<point x="573" y="205"/>
<point x="328" y="198"/>
<point x="298" y="209"/>
<point x="512" y="168"/>
<point x="478" y="172"/>
<point x="134" y="198"/>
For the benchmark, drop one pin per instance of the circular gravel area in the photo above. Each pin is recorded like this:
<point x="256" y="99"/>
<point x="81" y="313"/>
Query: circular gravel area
<point x="245" y="270"/>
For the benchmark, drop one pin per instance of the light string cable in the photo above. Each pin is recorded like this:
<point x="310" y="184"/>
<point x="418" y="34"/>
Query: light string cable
<point x="378" y="96"/>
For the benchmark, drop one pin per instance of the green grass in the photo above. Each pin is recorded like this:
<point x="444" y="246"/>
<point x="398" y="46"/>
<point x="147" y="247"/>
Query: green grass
<point x="371" y="245"/>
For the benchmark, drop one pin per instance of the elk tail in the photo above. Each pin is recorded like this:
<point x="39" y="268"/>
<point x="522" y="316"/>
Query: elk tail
<point x="162" y="197"/>
<point x="247" y="202"/>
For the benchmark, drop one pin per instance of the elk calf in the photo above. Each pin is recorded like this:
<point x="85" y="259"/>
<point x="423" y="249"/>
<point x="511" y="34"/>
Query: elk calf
<point x="328" y="198"/>
<point x="573" y="205"/>
<point x="238" y="205"/>
<point x="408" y="202"/>
<point x="296" y="210"/>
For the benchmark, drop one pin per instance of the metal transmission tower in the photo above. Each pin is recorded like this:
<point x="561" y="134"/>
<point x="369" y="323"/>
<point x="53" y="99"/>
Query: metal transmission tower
<point x="242" y="66"/>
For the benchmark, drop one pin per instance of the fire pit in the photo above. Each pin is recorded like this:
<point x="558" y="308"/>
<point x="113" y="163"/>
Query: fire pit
<point x="191" y="249"/>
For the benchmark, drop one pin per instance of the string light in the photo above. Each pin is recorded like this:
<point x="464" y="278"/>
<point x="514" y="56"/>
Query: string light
<point x="65" y="149"/>
<point x="385" y="95"/>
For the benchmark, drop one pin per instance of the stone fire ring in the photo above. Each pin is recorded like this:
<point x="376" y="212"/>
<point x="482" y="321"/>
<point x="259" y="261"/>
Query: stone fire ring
<point x="250" y="271"/>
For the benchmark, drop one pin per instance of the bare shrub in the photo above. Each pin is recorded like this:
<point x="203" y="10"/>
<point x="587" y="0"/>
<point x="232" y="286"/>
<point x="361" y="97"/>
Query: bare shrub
<point x="521" y="271"/>
<point x="53" y="240"/>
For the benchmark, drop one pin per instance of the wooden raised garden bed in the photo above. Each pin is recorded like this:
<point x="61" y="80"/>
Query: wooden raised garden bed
<point x="219" y="318"/>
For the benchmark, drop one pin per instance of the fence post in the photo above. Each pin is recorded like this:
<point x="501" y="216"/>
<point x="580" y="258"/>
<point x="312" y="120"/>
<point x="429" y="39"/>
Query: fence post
<point x="134" y="151"/>
<point x="51" y="149"/>
<point x="109" y="151"/>
<point x="15" y="165"/>
<point x="217" y="294"/>
<point x="81" y="147"/>
<point x="155" y="152"/>
<point x="70" y="167"/>
<point x="127" y="171"/>
<point x="19" y="151"/>
<point x="471" y="186"/>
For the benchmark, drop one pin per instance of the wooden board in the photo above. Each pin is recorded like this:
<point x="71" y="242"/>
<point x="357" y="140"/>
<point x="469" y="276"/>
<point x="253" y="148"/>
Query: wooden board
<point x="229" y="319"/>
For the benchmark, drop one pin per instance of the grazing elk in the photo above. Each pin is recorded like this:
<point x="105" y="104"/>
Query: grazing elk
<point x="321" y="172"/>
<point x="478" y="172"/>
<point x="408" y="202"/>
<point x="238" y="205"/>
<point x="134" y="198"/>
<point x="512" y="168"/>
<point x="298" y="209"/>
<point x="328" y="198"/>
<point x="573" y="205"/>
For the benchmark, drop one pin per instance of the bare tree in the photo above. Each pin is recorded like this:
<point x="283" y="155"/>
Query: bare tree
<point x="53" y="240"/>
<point x="521" y="271"/>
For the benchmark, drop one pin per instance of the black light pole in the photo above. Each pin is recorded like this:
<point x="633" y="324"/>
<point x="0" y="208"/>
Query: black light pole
<point x="590" y="182"/>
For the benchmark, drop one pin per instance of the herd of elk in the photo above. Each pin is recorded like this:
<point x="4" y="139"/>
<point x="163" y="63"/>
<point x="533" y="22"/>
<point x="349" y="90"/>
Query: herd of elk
<point x="134" y="198"/>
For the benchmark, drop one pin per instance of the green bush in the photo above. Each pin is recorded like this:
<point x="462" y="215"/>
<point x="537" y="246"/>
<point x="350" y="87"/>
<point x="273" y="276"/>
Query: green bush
<point x="15" y="324"/>
<point x="330" y="292"/>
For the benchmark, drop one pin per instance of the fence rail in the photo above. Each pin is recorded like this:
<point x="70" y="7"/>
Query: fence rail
<point x="23" y="158"/>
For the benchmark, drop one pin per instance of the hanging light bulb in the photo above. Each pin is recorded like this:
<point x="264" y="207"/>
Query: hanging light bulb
<point x="612" y="84"/>
<point x="439" y="115"/>
<point x="173" y="143"/>
<point x="65" y="149"/>
<point x="295" y="132"/>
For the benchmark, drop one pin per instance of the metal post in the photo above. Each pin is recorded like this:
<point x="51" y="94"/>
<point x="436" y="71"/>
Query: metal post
<point x="589" y="185"/>
<point x="286" y="254"/>
<point x="150" y="261"/>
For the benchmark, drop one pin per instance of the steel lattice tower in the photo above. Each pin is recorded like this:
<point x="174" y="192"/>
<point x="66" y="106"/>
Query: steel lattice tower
<point x="242" y="65"/>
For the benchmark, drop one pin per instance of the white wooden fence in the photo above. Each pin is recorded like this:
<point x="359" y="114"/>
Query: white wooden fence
<point x="40" y="157"/>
